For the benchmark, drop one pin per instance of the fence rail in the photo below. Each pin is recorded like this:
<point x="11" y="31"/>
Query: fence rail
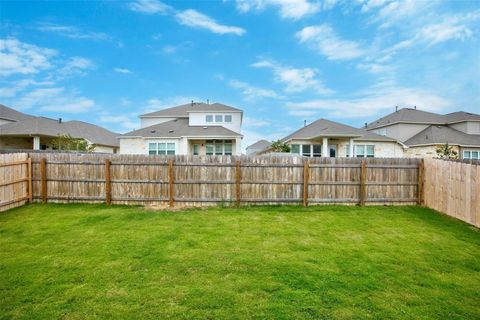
<point x="15" y="180"/>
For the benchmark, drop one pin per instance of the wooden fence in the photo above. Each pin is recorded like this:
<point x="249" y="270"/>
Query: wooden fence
<point x="196" y="181"/>
<point x="454" y="189"/>
<point x="15" y="180"/>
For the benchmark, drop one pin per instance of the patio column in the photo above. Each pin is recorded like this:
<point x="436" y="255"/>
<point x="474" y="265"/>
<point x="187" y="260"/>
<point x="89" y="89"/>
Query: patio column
<point x="238" y="147"/>
<point x="325" y="151"/>
<point x="350" y="151"/>
<point x="36" y="143"/>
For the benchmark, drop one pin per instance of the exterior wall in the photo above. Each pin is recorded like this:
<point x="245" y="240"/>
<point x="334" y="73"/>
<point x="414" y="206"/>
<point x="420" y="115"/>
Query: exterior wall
<point x="104" y="149"/>
<point x="16" y="143"/>
<point x="469" y="127"/>
<point x="403" y="131"/>
<point x="198" y="119"/>
<point x="424" y="151"/>
<point x="133" y="146"/>
<point x="381" y="149"/>
<point x="147" y="122"/>
<point x="468" y="149"/>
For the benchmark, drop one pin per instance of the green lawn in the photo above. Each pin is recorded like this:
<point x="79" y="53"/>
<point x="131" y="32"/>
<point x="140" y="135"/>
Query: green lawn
<point x="93" y="261"/>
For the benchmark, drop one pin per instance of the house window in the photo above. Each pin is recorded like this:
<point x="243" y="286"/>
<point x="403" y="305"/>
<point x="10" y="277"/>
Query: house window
<point x="228" y="118"/>
<point x="295" y="148"/>
<point x="209" y="118"/>
<point x="218" y="118"/>
<point x="306" y="150"/>
<point x="218" y="147"/>
<point x="333" y="151"/>
<point x="317" y="150"/>
<point x="362" y="151"/>
<point x="470" y="154"/>
<point x="196" y="149"/>
<point x="161" y="148"/>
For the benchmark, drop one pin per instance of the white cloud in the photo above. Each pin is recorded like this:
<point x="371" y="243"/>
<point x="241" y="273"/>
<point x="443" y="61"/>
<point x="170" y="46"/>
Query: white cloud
<point x="252" y="93"/>
<point x="21" y="58"/>
<point x="199" y="20"/>
<point x="72" y="32"/>
<point x="323" y="39"/>
<point x="54" y="99"/>
<point x="122" y="70"/>
<point x="450" y="28"/>
<point x="371" y="102"/>
<point x="296" y="80"/>
<point x="127" y="122"/>
<point x="289" y="9"/>
<point x="149" y="7"/>
<point x="21" y="85"/>
<point x="76" y="66"/>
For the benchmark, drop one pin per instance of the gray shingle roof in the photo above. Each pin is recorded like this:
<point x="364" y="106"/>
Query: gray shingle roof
<point x="260" y="145"/>
<point x="14" y="115"/>
<point x="323" y="127"/>
<point x="180" y="128"/>
<point x="183" y="110"/>
<point x="49" y="127"/>
<point x="441" y="135"/>
<point x="419" y="116"/>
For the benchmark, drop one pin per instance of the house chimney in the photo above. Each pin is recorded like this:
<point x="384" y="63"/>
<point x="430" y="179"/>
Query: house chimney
<point x="396" y="108"/>
<point x="304" y="123"/>
<point x="59" y="120"/>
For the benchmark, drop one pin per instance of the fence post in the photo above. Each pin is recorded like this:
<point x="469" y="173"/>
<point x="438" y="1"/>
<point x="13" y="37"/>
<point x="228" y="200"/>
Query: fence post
<point x="421" y="186"/>
<point x="238" y="178"/>
<point x="170" y="182"/>
<point x="43" y="174"/>
<point x="29" y="180"/>
<point x="363" y="186"/>
<point x="306" y="175"/>
<point x="108" y="186"/>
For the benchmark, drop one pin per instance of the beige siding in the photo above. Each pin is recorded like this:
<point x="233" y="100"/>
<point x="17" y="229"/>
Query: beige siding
<point x="403" y="131"/>
<point x="424" y="151"/>
<point x="470" y="127"/>
<point x="133" y="146"/>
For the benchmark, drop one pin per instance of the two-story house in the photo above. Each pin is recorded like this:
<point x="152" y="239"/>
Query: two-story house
<point x="422" y="132"/>
<point x="195" y="128"/>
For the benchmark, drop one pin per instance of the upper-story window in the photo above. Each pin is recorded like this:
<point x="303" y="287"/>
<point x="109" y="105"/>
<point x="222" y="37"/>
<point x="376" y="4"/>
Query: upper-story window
<point x="209" y="118"/>
<point x="381" y="131"/>
<point x="218" y="118"/>
<point x="228" y="118"/>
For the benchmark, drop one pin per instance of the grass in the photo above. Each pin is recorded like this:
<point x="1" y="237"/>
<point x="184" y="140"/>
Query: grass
<point x="93" y="261"/>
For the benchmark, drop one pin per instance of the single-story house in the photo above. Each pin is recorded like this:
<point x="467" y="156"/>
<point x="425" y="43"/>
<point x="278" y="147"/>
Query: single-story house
<point x="19" y="131"/>
<point x="258" y="147"/>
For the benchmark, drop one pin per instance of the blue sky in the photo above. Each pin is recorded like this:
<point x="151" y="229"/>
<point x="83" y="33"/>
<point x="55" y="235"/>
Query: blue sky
<point x="281" y="61"/>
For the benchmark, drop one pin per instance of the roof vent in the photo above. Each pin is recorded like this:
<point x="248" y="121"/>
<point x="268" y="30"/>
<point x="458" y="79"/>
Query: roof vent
<point x="170" y="131"/>
<point x="152" y="131"/>
<point x="59" y="120"/>
<point x="205" y="127"/>
<point x="414" y="107"/>
<point x="192" y="103"/>
<point x="396" y="108"/>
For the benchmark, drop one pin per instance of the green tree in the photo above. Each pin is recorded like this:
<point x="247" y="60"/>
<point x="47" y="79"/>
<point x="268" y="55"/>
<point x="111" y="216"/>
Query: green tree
<point x="446" y="152"/>
<point x="69" y="143"/>
<point x="280" y="146"/>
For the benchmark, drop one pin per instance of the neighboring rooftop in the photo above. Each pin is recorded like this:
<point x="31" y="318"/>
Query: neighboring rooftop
<point x="7" y="113"/>
<point x="441" y="135"/>
<point x="183" y="110"/>
<point x="260" y="145"/>
<point x="414" y="115"/>
<point x="42" y="126"/>
<point x="180" y="128"/>
<point x="327" y="128"/>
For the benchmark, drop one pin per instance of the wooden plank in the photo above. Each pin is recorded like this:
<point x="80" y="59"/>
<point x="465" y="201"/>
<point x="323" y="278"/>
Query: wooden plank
<point x="170" y="183"/>
<point x="43" y="175"/>
<point x="363" y="185"/>
<point x="238" y="181"/>
<point x="108" y="187"/>
<point x="421" y="168"/>
<point x="306" y="174"/>
<point x="29" y="180"/>
<point x="7" y="183"/>
<point x="13" y="163"/>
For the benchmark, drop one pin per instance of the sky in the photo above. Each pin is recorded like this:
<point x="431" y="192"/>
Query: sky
<point x="281" y="61"/>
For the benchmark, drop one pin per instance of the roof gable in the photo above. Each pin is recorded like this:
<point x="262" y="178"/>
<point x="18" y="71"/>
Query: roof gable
<point x="13" y="115"/>
<point x="441" y="135"/>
